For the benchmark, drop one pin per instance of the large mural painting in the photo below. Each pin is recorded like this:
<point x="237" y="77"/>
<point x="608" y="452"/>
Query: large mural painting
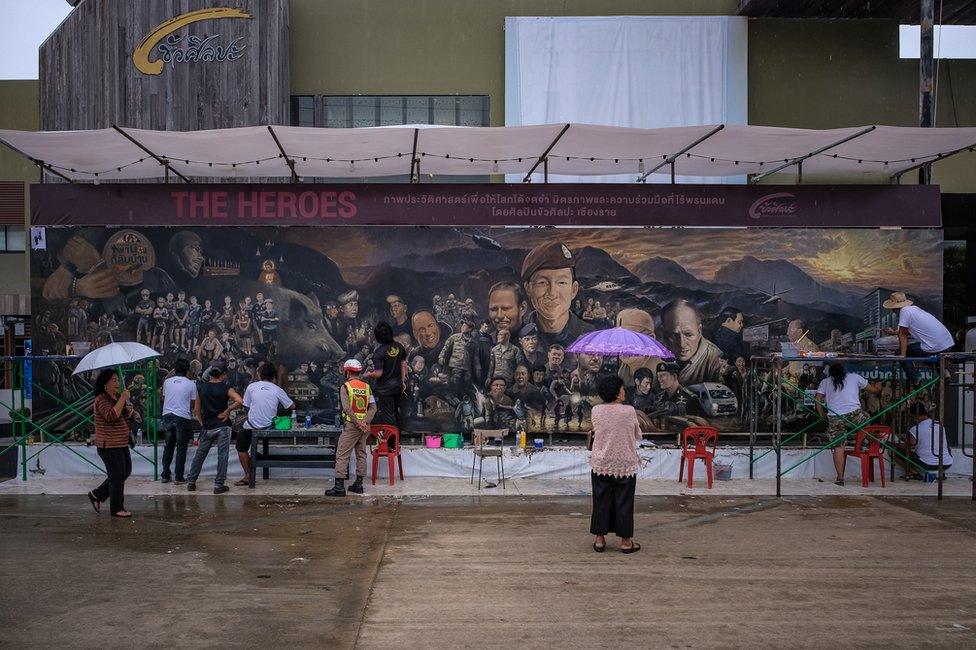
<point x="486" y="314"/>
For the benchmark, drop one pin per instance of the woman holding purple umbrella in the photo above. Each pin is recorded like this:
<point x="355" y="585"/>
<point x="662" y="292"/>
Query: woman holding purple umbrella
<point x="614" y="463"/>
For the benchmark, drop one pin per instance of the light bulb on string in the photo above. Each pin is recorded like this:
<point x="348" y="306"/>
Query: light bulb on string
<point x="352" y="165"/>
<point x="640" y="166"/>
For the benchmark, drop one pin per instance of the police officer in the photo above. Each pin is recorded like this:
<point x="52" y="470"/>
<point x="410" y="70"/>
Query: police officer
<point x="358" y="408"/>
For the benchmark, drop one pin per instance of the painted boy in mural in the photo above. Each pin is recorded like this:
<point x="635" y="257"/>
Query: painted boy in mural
<point x="549" y="276"/>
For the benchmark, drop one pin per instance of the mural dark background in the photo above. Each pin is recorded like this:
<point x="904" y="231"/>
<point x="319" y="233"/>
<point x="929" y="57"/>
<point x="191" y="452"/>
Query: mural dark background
<point x="201" y="293"/>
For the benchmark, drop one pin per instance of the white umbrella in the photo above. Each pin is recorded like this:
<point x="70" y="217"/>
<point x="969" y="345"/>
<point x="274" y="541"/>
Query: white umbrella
<point x="114" y="355"/>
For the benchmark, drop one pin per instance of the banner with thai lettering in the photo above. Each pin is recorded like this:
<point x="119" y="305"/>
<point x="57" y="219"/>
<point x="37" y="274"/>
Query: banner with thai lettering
<point x="795" y="206"/>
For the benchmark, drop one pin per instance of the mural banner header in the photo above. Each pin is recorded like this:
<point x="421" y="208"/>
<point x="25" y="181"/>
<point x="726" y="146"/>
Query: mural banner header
<point x="800" y="206"/>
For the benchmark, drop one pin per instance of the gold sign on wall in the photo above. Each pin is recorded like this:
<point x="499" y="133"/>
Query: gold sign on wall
<point x="183" y="48"/>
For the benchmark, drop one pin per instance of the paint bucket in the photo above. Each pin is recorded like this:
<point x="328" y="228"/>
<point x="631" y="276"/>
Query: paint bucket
<point x="538" y="443"/>
<point x="452" y="440"/>
<point x="723" y="471"/>
<point x="433" y="442"/>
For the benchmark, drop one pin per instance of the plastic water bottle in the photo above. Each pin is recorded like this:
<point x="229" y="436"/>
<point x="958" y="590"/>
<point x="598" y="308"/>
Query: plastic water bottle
<point x="139" y="437"/>
<point x="308" y="420"/>
<point x="294" y="419"/>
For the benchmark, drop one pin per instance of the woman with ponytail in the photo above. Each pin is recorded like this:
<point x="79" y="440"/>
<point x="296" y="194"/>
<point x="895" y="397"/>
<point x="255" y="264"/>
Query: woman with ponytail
<point x="839" y="401"/>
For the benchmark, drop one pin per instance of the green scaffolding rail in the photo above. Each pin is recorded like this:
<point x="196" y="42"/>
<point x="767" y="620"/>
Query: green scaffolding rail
<point x="28" y="430"/>
<point x="779" y="382"/>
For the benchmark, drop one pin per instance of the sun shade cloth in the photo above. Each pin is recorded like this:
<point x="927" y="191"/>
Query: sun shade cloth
<point x="577" y="149"/>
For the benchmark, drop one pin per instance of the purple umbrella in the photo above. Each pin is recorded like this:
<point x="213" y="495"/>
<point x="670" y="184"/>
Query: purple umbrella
<point x="620" y="342"/>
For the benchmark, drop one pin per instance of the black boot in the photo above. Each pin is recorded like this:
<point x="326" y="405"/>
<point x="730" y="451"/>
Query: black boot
<point x="357" y="487"/>
<point x="337" y="490"/>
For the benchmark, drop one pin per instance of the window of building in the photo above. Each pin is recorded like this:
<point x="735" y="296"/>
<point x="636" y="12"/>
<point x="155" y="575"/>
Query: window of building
<point x="13" y="239"/>
<point x="357" y="111"/>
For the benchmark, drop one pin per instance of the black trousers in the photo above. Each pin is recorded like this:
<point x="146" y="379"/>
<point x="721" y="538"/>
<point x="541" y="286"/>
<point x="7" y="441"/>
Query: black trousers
<point x="613" y="505"/>
<point x="179" y="433"/>
<point x="389" y="410"/>
<point x="118" y="466"/>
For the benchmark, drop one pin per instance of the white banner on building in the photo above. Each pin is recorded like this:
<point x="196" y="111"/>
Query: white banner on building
<point x="634" y="71"/>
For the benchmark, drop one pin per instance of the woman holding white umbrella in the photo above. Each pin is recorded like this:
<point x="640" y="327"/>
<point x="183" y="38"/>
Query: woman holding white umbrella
<point x="112" y="411"/>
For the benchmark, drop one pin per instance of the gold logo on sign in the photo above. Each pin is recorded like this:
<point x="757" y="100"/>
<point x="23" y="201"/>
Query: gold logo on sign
<point x="140" y="57"/>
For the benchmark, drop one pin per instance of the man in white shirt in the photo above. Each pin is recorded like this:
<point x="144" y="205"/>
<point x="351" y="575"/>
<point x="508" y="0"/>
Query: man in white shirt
<point x="931" y="334"/>
<point x="261" y="398"/>
<point x="179" y="394"/>
<point x="924" y="441"/>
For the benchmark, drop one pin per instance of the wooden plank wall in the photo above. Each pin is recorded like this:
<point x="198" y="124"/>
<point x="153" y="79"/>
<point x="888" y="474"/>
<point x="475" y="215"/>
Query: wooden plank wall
<point x="88" y="79"/>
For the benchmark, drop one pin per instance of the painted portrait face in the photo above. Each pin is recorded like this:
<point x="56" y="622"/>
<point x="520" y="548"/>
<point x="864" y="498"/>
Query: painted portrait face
<point x="723" y="363"/>
<point x="644" y="386"/>
<point x="794" y="330"/>
<point x="259" y="297"/>
<point x="497" y="388"/>
<point x="418" y="364"/>
<point x="682" y="332"/>
<point x="529" y="343"/>
<point x="207" y="304"/>
<point x="351" y="309"/>
<point x="398" y="309"/>
<point x="740" y="364"/>
<point x="736" y="323"/>
<point x="503" y="309"/>
<point x="589" y="362"/>
<point x="538" y="376"/>
<point x="551" y="292"/>
<point x="426" y="331"/>
<point x="192" y="259"/>
<point x="521" y="376"/>
<point x="667" y="380"/>
<point x="556" y="356"/>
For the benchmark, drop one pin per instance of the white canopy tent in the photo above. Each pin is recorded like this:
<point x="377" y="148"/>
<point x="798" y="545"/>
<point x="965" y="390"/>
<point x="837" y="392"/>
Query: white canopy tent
<point x="118" y="154"/>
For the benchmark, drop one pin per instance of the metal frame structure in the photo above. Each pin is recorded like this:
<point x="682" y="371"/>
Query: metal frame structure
<point x="952" y="370"/>
<point x="28" y="430"/>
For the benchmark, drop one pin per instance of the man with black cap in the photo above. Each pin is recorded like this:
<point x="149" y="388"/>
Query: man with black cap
<point x="671" y="398"/>
<point x="549" y="277"/>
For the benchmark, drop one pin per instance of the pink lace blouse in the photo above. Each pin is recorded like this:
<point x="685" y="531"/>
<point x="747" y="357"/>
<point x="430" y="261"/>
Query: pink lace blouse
<point x="615" y="434"/>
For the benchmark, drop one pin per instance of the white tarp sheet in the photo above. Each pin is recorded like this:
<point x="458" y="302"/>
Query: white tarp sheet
<point x="553" y="462"/>
<point x="626" y="71"/>
<point x="584" y="150"/>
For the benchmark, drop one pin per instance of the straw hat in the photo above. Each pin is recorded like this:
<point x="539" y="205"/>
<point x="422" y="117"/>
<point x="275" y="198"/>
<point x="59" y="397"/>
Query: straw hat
<point x="897" y="300"/>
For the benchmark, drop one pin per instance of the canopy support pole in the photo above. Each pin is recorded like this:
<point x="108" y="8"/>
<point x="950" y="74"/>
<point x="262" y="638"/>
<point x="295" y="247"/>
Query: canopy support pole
<point x="161" y="161"/>
<point x="799" y="173"/>
<point x="414" y="161"/>
<point x="942" y="156"/>
<point x="798" y="159"/>
<point x="40" y="163"/>
<point x="544" y="157"/>
<point x="670" y="159"/>
<point x="925" y="64"/>
<point x="291" y="163"/>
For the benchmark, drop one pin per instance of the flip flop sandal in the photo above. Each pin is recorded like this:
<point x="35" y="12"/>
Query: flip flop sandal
<point x="598" y="548"/>
<point x="633" y="549"/>
<point x="241" y="482"/>
<point x="96" y="504"/>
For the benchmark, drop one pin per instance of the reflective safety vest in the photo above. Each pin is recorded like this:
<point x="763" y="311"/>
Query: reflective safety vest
<point x="358" y="392"/>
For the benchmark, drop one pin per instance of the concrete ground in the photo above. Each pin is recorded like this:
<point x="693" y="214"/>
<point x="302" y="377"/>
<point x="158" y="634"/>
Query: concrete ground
<point x="466" y="571"/>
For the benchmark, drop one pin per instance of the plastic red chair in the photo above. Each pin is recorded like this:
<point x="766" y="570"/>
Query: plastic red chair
<point x="704" y="440"/>
<point x="383" y="433"/>
<point x="875" y="435"/>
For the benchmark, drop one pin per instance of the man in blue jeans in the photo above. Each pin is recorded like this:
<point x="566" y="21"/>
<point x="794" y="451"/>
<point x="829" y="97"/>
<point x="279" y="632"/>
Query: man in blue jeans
<point x="213" y="408"/>
<point x="179" y="394"/>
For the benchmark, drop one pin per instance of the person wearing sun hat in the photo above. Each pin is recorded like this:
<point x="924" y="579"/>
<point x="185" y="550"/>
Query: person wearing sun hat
<point x="931" y="335"/>
<point x="358" y="406"/>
